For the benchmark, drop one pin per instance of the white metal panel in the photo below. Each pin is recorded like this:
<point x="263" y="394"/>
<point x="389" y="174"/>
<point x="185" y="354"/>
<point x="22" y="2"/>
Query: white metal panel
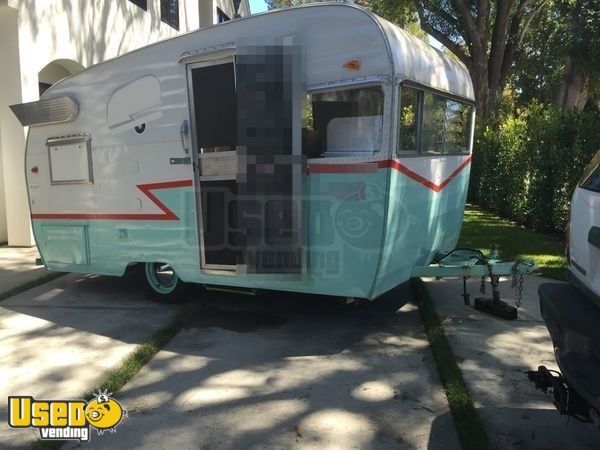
<point x="118" y="171"/>
<point x="129" y="105"/>
<point x="435" y="168"/>
<point x="69" y="161"/>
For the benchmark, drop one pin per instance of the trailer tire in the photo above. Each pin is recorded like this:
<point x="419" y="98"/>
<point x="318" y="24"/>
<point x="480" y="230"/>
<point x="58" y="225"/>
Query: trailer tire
<point x="163" y="284"/>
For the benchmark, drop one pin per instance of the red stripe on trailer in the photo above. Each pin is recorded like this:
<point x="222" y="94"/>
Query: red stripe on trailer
<point x="167" y="214"/>
<point x="147" y="189"/>
<point x="395" y="164"/>
<point x="362" y="167"/>
<point x="369" y="167"/>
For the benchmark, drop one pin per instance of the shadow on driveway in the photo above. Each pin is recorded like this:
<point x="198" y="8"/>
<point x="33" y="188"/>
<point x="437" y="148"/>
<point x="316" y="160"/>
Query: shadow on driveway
<point x="284" y="371"/>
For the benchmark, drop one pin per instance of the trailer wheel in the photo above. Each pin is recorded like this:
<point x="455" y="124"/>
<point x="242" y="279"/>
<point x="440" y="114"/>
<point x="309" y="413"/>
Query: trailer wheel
<point x="162" y="282"/>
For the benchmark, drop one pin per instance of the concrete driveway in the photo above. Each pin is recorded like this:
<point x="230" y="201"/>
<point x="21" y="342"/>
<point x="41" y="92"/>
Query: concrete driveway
<point x="493" y="355"/>
<point x="59" y="339"/>
<point x="289" y="371"/>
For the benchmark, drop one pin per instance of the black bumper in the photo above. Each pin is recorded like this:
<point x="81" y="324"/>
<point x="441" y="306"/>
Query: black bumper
<point x="574" y="326"/>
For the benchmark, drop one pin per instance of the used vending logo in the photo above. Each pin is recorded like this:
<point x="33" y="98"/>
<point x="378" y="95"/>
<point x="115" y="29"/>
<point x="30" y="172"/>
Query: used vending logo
<point x="66" y="419"/>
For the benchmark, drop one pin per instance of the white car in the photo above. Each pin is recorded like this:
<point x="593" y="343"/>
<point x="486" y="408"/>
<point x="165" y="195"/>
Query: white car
<point x="572" y="311"/>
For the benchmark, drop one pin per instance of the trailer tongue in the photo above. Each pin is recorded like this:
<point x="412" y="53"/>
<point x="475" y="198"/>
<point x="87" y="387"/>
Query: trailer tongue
<point x="468" y="263"/>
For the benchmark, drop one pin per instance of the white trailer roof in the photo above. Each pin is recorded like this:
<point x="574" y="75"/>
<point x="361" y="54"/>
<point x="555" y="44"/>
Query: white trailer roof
<point x="418" y="61"/>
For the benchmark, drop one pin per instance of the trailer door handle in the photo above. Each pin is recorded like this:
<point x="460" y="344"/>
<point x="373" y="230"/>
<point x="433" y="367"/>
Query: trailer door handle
<point x="184" y="132"/>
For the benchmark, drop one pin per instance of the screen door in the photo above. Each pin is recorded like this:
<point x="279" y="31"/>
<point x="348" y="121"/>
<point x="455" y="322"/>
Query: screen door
<point x="269" y="157"/>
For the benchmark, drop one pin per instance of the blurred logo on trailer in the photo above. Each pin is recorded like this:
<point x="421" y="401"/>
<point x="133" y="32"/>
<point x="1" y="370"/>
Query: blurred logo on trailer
<point x="358" y="215"/>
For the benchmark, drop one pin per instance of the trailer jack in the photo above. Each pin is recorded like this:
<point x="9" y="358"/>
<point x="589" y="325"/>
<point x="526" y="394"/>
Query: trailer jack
<point x="468" y="263"/>
<point x="567" y="401"/>
<point x="495" y="305"/>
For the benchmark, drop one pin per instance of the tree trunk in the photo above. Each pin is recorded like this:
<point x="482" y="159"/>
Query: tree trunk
<point x="576" y="79"/>
<point x="479" y="75"/>
<point x="574" y="88"/>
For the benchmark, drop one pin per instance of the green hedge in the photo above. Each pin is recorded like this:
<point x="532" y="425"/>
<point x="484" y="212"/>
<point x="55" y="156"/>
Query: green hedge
<point x="526" y="165"/>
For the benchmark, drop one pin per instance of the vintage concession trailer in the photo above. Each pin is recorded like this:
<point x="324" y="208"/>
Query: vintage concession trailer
<point x="318" y="149"/>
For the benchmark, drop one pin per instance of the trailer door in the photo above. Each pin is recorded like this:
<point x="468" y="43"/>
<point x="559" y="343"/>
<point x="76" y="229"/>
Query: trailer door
<point x="269" y="157"/>
<point x="245" y="117"/>
<point x="214" y="124"/>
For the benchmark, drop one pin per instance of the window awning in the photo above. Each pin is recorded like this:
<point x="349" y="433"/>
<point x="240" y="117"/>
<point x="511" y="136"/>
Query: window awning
<point x="54" y="110"/>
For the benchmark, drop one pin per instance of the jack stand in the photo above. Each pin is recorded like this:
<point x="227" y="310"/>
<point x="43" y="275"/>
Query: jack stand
<point x="495" y="305"/>
<point x="465" y="295"/>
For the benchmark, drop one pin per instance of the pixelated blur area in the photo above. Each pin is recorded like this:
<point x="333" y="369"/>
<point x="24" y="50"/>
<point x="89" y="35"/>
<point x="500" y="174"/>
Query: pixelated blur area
<point x="268" y="90"/>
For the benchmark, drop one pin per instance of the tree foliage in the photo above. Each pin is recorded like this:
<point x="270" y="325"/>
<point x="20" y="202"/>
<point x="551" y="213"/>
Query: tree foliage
<point x="484" y="34"/>
<point x="539" y="65"/>
<point x="582" y="64"/>
<point x="526" y="168"/>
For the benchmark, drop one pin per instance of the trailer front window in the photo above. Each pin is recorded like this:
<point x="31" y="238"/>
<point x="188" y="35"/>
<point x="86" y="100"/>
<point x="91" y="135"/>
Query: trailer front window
<point x="342" y="123"/>
<point x="432" y="123"/>
<point x="446" y="125"/>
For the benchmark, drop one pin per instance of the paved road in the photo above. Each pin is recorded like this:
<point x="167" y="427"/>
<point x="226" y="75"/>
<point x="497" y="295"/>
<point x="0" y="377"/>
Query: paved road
<point x="60" y="338"/>
<point x="289" y="371"/>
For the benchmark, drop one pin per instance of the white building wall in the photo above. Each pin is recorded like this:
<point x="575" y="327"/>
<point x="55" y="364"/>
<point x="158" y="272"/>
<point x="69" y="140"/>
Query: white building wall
<point x="86" y="32"/>
<point x="3" y="226"/>
<point x="12" y="140"/>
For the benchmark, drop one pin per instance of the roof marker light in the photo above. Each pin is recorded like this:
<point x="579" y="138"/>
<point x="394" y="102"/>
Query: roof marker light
<point x="353" y="64"/>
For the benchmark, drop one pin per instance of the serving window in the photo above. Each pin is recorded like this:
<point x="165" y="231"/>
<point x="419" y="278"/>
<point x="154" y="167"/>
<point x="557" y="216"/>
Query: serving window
<point x="430" y="123"/>
<point x="342" y="122"/>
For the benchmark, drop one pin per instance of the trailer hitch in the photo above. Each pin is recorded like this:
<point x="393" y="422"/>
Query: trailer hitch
<point x="466" y="263"/>
<point x="544" y="379"/>
<point x="567" y="401"/>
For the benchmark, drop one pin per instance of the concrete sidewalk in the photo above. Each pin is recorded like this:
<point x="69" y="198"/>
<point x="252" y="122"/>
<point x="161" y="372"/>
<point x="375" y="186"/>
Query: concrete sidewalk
<point x="493" y="355"/>
<point x="61" y="338"/>
<point x="281" y="371"/>
<point x="17" y="268"/>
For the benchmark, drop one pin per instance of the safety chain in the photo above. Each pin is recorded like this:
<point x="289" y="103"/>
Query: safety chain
<point x="517" y="284"/>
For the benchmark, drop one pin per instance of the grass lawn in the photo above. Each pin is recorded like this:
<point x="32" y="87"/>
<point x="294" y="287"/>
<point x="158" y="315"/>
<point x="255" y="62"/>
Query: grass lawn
<point x="470" y="429"/>
<point x="480" y="229"/>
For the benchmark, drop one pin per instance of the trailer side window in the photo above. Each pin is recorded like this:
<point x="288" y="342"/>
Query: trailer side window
<point x="433" y="124"/>
<point x="342" y="123"/>
<point x="407" y="126"/>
